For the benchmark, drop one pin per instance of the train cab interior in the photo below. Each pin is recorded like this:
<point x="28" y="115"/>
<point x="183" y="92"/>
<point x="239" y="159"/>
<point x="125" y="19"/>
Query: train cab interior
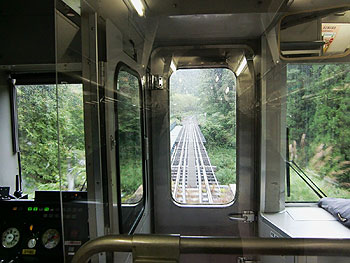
<point x="175" y="131"/>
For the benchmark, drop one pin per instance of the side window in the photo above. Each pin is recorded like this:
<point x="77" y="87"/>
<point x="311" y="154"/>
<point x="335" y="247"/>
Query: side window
<point x="39" y="121"/>
<point x="318" y="105"/>
<point x="129" y="146"/>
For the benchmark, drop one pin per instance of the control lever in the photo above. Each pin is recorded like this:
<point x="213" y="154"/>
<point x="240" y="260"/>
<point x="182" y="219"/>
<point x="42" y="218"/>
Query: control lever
<point x="18" y="192"/>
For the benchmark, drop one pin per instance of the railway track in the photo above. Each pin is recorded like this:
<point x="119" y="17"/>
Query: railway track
<point x="193" y="176"/>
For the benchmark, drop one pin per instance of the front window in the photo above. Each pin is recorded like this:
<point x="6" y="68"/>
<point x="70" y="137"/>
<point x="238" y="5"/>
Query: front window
<point x="203" y="136"/>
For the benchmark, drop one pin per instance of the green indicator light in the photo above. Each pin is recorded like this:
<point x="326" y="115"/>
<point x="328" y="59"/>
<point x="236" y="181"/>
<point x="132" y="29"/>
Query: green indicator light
<point x="35" y="209"/>
<point x="46" y="209"/>
<point x="30" y="208"/>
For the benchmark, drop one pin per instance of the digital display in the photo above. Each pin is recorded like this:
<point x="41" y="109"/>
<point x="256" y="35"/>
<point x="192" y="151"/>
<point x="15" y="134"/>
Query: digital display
<point x="35" y="209"/>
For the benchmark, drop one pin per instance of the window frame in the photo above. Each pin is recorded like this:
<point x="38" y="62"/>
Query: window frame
<point x="36" y="78"/>
<point x="124" y="67"/>
<point x="18" y="79"/>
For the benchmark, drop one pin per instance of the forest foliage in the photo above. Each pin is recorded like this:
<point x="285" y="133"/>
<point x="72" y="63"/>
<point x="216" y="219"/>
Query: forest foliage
<point x="51" y="136"/>
<point x="51" y="128"/>
<point x="128" y="112"/>
<point x="318" y="105"/>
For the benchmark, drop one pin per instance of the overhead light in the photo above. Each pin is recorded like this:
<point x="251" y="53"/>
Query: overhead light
<point x="137" y="4"/>
<point x="172" y="66"/>
<point x="241" y="66"/>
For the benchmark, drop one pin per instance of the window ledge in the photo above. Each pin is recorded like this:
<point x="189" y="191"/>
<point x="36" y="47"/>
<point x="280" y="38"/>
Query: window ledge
<point x="305" y="222"/>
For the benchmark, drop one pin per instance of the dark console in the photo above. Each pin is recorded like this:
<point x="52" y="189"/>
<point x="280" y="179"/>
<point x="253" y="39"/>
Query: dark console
<point x="31" y="230"/>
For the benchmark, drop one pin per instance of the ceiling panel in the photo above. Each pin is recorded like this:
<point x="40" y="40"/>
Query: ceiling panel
<point x="189" y="7"/>
<point x="211" y="27"/>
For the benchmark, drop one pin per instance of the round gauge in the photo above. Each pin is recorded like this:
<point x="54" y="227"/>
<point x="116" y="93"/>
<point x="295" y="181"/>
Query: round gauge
<point x="31" y="243"/>
<point x="10" y="237"/>
<point x="51" y="238"/>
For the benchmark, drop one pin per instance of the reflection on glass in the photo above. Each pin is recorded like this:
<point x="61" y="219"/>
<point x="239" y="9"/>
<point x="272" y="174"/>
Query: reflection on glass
<point x="38" y="136"/>
<point x="129" y="137"/>
<point x="318" y="105"/>
<point x="203" y="136"/>
<point x="71" y="132"/>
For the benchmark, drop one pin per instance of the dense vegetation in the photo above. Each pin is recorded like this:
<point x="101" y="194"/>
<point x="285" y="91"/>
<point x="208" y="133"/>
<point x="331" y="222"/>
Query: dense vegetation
<point x="51" y="136"/>
<point x="210" y="96"/>
<point x="43" y="119"/>
<point x="318" y="105"/>
<point x="129" y="137"/>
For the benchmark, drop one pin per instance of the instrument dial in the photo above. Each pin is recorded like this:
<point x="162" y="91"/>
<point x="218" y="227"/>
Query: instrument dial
<point x="10" y="237"/>
<point x="51" y="238"/>
<point x="31" y="243"/>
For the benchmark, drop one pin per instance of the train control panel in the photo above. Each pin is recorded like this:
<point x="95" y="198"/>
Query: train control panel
<point x="43" y="229"/>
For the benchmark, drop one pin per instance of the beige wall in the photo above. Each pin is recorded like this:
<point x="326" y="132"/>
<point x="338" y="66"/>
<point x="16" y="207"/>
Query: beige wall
<point x="8" y="160"/>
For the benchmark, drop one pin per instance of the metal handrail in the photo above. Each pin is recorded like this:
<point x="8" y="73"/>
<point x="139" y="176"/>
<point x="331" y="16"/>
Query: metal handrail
<point x="175" y="244"/>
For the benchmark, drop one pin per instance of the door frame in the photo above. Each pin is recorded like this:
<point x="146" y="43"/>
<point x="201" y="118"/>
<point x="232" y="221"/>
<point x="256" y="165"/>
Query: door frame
<point x="172" y="218"/>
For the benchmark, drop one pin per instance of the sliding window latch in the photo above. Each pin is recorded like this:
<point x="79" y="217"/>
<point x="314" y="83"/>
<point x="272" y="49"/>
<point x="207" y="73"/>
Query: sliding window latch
<point x="245" y="217"/>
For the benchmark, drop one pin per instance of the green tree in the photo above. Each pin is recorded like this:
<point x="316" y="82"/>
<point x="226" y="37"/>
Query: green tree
<point x="317" y="115"/>
<point x="128" y="111"/>
<point x="218" y="102"/>
<point x="37" y="117"/>
<point x="331" y="121"/>
<point x="71" y="131"/>
<point x="38" y="106"/>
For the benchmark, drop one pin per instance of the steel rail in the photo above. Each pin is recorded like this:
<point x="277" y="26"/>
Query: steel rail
<point x="182" y="162"/>
<point x="165" y="244"/>
<point x="179" y="164"/>
<point x="199" y="174"/>
<point x="181" y="135"/>
<point x="206" y="153"/>
<point x="202" y="168"/>
<point x="201" y="147"/>
<point x="208" y="183"/>
<point x="207" y="186"/>
<point x="184" y="168"/>
<point x="205" y="176"/>
<point x="173" y="155"/>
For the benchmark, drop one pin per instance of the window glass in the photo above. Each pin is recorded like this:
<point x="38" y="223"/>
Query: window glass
<point x="38" y="137"/>
<point x="130" y="152"/>
<point x="203" y="136"/>
<point x="71" y="134"/>
<point x="318" y="119"/>
<point x="129" y="137"/>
